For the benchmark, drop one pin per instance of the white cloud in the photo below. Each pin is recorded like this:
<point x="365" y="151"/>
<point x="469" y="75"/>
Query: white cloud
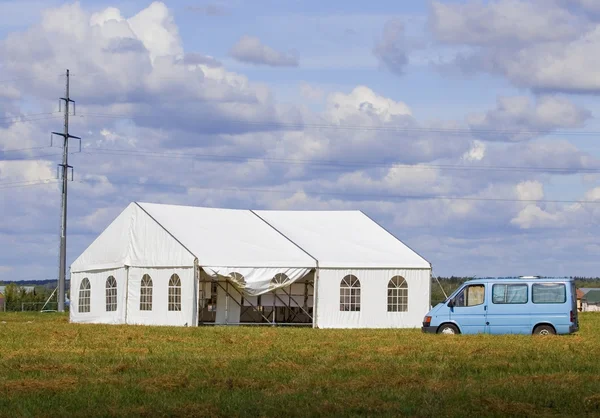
<point x="542" y="45"/>
<point x="522" y="120"/>
<point x="502" y="21"/>
<point x="156" y="28"/>
<point x="363" y="101"/>
<point x="249" y="49"/>
<point x="391" y="50"/>
<point x="530" y="190"/>
<point x="311" y="92"/>
<point x="26" y="170"/>
<point x="182" y="110"/>
<point x="476" y="152"/>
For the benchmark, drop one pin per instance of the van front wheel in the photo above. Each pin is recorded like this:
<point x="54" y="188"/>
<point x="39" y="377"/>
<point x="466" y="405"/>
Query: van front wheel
<point x="544" y="330"/>
<point x="448" y="329"/>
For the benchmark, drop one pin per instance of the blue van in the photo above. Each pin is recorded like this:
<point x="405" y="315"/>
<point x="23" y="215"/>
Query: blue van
<point x="517" y="305"/>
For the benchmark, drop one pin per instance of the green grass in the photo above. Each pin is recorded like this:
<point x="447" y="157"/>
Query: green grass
<point x="49" y="367"/>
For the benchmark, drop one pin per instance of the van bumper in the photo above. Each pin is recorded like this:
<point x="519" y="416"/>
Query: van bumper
<point x="573" y="328"/>
<point x="429" y="329"/>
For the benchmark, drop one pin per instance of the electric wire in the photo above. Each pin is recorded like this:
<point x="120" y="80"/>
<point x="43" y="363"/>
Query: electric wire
<point x="328" y="163"/>
<point x="364" y="196"/>
<point x="377" y="128"/>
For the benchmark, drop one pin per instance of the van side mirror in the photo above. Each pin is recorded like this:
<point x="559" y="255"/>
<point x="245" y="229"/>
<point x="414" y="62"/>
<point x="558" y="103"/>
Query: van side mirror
<point x="451" y="303"/>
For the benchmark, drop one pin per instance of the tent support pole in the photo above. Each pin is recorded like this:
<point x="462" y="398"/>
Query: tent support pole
<point x="282" y="301"/>
<point x="256" y="309"/>
<point x="126" y="292"/>
<point x="315" y="299"/>
<point x="291" y="298"/>
<point x="197" y="292"/>
<point x="47" y="300"/>
<point x="227" y="301"/>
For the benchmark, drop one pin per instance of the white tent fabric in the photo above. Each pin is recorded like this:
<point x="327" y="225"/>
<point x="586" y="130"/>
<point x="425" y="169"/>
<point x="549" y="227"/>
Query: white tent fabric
<point x="133" y="239"/>
<point x="98" y="313"/>
<point x="247" y="250"/>
<point x="373" y="299"/>
<point x="160" y="313"/>
<point x="257" y="281"/>
<point x="228" y="237"/>
<point x="344" y="239"/>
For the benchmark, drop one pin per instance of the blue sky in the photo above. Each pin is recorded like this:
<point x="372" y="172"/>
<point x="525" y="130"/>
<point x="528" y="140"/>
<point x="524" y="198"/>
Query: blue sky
<point x="238" y="104"/>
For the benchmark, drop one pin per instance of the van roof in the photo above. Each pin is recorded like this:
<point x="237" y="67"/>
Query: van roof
<point x="521" y="278"/>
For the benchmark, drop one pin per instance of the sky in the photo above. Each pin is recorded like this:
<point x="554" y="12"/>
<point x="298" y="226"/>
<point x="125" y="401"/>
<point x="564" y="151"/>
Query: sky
<point x="468" y="129"/>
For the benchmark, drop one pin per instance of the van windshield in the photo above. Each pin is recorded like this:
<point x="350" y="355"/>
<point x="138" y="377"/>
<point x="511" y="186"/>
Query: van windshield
<point x="472" y="295"/>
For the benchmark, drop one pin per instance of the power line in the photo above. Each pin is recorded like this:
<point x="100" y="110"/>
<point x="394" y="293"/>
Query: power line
<point x="27" y="184"/>
<point x="384" y="128"/>
<point x="22" y="149"/>
<point x="27" y="115"/>
<point x="37" y="119"/>
<point x="341" y="164"/>
<point x="33" y="157"/>
<point x="378" y="197"/>
<point x="27" y="78"/>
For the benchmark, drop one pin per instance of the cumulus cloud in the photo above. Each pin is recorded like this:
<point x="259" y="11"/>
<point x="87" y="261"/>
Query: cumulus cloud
<point x="364" y="101"/>
<point x="311" y="92"/>
<point x="193" y="58"/>
<point x="542" y="45"/>
<point x="249" y="49"/>
<point x="190" y="131"/>
<point x="522" y="119"/>
<point x="391" y="50"/>
<point x="502" y="22"/>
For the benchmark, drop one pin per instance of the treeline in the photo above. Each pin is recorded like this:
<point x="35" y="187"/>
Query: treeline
<point x="450" y="284"/>
<point x="17" y="297"/>
<point x="50" y="284"/>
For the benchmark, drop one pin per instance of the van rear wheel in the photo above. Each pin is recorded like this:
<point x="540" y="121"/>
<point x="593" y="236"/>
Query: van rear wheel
<point x="448" y="329"/>
<point x="544" y="330"/>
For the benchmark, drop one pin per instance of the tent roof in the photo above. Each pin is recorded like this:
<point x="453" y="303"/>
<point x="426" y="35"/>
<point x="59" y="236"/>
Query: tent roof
<point x="228" y="237"/>
<point x="344" y="239"/>
<point x="155" y="235"/>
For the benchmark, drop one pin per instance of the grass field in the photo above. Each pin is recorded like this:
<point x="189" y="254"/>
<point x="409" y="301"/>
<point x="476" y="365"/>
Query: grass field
<point x="49" y="367"/>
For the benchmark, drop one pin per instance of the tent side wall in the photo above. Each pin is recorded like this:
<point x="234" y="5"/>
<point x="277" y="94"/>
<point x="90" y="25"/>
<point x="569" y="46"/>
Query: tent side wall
<point x="373" y="299"/>
<point x="159" y="313"/>
<point x="98" y="313"/>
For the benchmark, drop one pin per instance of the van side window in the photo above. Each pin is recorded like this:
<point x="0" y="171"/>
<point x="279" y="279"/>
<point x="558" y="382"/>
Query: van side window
<point x="472" y="295"/>
<point x="548" y="293"/>
<point x="509" y="293"/>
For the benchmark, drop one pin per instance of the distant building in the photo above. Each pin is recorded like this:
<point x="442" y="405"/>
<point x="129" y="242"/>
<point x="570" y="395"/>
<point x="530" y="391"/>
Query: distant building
<point x="580" y="296"/>
<point x="590" y="302"/>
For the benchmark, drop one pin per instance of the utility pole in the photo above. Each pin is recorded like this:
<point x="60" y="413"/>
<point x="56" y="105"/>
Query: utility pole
<point x="62" y="270"/>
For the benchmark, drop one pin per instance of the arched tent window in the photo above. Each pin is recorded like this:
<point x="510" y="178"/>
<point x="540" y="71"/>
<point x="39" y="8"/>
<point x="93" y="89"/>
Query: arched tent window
<point x="280" y="279"/>
<point x="174" y="293"/>
<point x="350" y="294"/>
<point x="398" y="294"/>
<point x="111" y="294"/>
<point x="146" y="293"/>
<point x="85" y="295"/>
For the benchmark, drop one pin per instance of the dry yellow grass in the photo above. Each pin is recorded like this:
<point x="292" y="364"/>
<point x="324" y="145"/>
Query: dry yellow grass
<point x="49" y="367"/>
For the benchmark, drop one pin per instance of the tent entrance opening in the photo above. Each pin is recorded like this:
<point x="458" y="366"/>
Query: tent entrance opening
<point x="221" y="302"/>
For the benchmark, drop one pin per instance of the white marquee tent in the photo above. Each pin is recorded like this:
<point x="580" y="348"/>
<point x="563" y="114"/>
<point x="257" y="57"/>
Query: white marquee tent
<point x="179" y="265"/>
